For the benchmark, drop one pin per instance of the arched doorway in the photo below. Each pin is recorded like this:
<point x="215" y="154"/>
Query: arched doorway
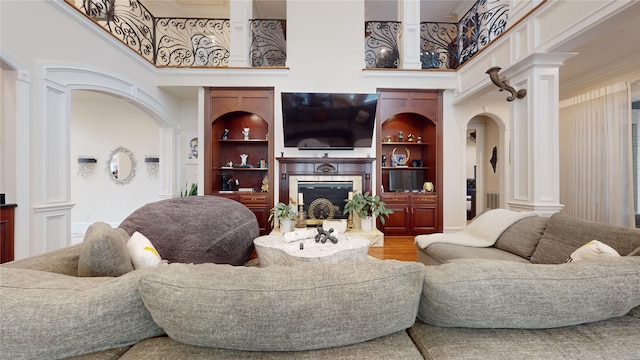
<point x="485" y="166"/>
<point x="100" y="123"/>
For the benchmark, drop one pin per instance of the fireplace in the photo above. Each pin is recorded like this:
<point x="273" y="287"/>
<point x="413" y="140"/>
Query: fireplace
<point x="323" y="178"/>
<point x="324" y="199"/>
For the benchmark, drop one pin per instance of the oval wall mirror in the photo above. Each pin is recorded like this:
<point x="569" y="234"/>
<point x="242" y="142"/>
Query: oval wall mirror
<point x="121" y="165"/>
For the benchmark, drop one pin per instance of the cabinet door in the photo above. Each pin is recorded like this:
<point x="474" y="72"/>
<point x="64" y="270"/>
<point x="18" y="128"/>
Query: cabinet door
<point x="258" y="203"/>
<point x="424" y="219"/>
<point x="262" y="215"/>
<point x="398" y="223"/>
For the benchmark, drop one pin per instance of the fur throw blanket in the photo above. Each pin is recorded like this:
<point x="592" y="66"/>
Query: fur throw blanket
<point x="481" y="232"/>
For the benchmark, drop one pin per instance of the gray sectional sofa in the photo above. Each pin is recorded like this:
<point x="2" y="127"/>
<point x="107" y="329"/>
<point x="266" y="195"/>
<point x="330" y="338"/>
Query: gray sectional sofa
<point x="462" y="309"/>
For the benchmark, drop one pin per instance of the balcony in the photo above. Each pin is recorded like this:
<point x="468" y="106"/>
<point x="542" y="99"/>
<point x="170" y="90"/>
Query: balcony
<point x="174" y="42"/>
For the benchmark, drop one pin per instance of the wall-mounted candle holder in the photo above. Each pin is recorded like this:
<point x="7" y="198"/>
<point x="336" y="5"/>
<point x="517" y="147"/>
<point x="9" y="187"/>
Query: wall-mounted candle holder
<point x="153" y="166"/>
<point x="86" y="165"/>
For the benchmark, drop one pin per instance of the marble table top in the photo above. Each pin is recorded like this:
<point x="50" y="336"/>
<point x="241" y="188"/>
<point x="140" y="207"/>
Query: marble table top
<point x="272" y="250"/>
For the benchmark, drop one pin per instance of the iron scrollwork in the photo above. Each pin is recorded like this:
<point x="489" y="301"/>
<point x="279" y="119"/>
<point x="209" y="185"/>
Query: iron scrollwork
<point x="438" y="45"/>
<point x="193" y="42"/>
<point x="381" y="44"/>
<point x="481" y="24"/>
<point x="269" y="43"/>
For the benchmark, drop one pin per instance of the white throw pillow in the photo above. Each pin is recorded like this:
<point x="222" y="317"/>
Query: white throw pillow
<point x="592" y="250"/>
<point x="143" y="253"/>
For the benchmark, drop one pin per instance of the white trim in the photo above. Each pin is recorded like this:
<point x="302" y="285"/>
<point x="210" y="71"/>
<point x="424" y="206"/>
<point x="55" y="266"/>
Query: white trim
<point x="23" y="156"/>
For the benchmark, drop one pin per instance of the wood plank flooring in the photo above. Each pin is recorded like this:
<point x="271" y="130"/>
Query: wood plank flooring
<point x="395" y="247"/>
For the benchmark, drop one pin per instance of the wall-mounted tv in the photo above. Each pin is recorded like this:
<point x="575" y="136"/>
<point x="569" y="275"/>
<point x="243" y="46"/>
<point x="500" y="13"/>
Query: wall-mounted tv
<point x="321" y="121"/>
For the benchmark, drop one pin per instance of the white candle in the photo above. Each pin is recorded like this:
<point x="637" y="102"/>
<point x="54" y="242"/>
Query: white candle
<point x="350" y="195"/>
<point x="300" y="201"/>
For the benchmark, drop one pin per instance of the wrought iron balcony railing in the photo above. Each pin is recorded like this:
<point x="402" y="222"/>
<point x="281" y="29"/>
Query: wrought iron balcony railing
<point x="183" y="42"/>
<point x="443" y="45"/>
<point x="200" y="42"/>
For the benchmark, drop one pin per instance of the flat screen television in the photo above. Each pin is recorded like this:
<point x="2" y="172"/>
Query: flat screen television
<point x="405" y="180"/>
<point x="320" y="121"/>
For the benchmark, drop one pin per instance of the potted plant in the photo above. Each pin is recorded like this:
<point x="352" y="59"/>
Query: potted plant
<point x="285" y="213"/>
<point x="193" y="191"/>
<point x="368" y="208"/>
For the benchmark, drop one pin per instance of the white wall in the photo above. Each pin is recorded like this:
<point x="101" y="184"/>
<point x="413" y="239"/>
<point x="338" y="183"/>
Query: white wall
<point x="98" y="126"/>
<point x="8" y="135"/>
<point x="492" y="138"/>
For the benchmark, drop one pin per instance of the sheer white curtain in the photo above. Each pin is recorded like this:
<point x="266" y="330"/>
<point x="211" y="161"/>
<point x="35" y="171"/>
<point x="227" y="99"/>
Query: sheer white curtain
<point x="596" y="179"/>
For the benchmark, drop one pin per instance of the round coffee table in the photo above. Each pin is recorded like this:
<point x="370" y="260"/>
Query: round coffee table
<point x="273" y="250"/>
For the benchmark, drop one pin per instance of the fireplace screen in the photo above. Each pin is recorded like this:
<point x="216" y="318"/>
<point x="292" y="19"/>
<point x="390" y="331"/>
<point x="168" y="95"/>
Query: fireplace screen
<point x="324" y="200"/>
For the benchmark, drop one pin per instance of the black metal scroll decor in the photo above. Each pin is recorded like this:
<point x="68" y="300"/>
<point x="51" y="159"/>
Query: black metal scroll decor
<point x="438" y="45"/>
<point x="269" y="43"/>
<point x="480" y="25"/>
<point x="184" y="42"/>
<point x="442" y="45"/>
<point x="381" y="44"/>
<point x="195" y="42"/>
<point x="192" y="42"/>
<point x="128" y="21"/>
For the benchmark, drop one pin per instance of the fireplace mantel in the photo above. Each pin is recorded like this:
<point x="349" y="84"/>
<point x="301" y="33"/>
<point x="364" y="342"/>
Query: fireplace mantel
<point x="323" y="167"/>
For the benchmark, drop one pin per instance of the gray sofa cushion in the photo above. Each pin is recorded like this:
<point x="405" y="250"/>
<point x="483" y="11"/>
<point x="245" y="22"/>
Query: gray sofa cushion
<point x="440" y="253"/>
<point x="503" y="294"/>
<point x="105" y="252"/>
<point x="281" y="308"/>
<point x="50" y="316"/>
<point x="564" y="234"/>
<point x="197" y="229"/>
<point x="395" y="346"/>
<point x="62" y="261"/>
<point x="522" y="237"/>
<point x="615" y="338"/>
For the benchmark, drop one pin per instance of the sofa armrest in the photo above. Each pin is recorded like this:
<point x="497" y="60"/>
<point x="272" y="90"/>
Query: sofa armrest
<point x="63" y="261"/>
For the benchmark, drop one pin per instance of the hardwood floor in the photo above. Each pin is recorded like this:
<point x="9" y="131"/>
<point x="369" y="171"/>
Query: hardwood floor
<point x="395" y="247"/>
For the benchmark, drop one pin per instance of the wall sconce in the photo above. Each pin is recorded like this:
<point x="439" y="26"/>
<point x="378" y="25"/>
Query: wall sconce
<point x="503" y="84"/>
<point x="85" y="165"/>
<point x="153" y="165"/>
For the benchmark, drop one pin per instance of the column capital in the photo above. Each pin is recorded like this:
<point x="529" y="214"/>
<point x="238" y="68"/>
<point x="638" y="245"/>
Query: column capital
<point x="553" y="60"/>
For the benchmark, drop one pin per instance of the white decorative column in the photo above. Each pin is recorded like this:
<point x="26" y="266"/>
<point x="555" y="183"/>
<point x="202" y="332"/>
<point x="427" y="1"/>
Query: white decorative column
<point x="170" y="153"/>
<point x="23" y="198"/>
<point x="241" y="12"/>
<point x="409" y="46"/>
<point x="51" y="222"/>
<point x="535" y="172"/>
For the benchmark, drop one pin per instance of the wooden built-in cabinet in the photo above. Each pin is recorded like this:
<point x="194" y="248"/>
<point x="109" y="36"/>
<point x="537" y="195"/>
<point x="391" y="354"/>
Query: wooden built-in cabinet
<point x="417" y="114"/>
<point x="232" y="109"/>
<point x="7" y="219"/>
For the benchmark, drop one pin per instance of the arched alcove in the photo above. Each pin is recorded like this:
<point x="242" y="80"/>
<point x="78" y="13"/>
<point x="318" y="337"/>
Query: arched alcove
<point x="51" y="216"/>
<point x="490" y="167"/>
<point x="100" y="123"/>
